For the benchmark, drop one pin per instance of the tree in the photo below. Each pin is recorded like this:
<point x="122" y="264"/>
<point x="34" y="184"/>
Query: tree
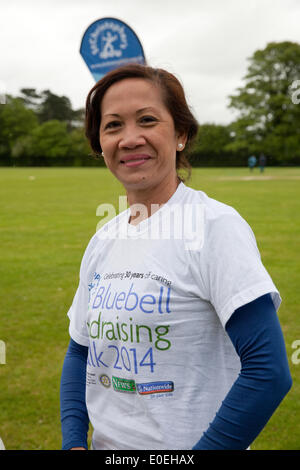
<point x="81" y="151"/>
<point x="29" y="137"/>
<point x="51" y="144"/>
<point x="55" y="107"/>
<point x="49" y="106"/>
<point x="47" y="144"/>
<point x="16" y="121"/>
<point x="268" y="117"/>
<point x="210" y="146"/>
<point x="31" y="98"/>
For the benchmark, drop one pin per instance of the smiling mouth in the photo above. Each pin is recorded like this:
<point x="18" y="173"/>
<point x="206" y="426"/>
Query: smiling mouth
<point x="134" y="160"/>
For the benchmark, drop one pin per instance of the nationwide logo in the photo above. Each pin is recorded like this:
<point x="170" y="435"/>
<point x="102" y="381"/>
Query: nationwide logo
<point x="105" y="380"/>
<point x="123" y="385"/>
<point x="155" y="387"/>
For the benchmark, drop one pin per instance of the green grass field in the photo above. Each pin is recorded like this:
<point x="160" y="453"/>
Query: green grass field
<point x="47" y="219"/>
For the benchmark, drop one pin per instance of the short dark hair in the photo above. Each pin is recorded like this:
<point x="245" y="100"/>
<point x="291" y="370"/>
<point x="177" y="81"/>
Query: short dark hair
<point x="173" y="96"/>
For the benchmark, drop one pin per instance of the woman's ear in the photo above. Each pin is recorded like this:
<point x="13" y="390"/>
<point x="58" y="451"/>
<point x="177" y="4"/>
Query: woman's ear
<point x="181" y="141"/>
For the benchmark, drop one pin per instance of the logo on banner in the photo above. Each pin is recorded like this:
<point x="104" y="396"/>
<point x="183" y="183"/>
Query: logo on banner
<point x="109" y="40"/>
<point x="109" y="43"/>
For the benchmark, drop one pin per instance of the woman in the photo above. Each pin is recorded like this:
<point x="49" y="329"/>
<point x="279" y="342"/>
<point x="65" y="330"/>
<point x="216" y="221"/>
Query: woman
<point x="175" y="340"/>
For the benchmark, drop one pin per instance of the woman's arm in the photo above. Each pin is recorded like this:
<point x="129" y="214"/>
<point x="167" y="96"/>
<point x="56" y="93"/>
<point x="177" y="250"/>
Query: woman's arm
<point x="74" y="415"/>
<point x="263" y="381"/>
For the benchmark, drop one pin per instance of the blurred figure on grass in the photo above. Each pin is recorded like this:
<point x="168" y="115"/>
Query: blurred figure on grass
<point x="262" y="161"/>
<point x="251" y="162"/>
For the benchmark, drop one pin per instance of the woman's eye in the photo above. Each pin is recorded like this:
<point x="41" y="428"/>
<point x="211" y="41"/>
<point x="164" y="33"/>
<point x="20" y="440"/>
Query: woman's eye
<point x="112" y="125"/>
<point x="148" y="119"/>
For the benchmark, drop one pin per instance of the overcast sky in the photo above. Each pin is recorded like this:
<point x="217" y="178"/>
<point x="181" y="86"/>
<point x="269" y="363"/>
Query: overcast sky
<point x="206" y="43"/>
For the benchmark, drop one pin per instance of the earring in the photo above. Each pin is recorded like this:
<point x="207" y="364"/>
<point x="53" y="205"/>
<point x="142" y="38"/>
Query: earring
<point x="102" y="154"/>
<point x="180" y="146"/>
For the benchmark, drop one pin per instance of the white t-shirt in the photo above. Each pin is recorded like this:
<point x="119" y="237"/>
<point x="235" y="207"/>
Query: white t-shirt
<point x="152" y="304"/>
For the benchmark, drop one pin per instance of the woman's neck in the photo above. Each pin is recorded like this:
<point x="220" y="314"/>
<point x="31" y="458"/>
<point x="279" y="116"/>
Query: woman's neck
<point x="144" y="203"/>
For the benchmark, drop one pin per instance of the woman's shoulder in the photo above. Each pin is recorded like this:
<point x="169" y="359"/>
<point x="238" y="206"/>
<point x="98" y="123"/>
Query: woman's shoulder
<point x="107" y="232"/>
<point x="212" y="207"/>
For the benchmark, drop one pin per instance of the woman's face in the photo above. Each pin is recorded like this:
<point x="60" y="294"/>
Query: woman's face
<point x="137" y="135"/>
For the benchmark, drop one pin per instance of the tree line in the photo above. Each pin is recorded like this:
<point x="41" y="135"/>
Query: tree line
<point x="42" y="129"/>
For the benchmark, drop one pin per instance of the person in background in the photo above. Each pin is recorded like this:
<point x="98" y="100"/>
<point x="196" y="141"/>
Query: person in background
<point x="262" y="161"/>
<point x="175" y="339"/>
<point x="252" y="162"/>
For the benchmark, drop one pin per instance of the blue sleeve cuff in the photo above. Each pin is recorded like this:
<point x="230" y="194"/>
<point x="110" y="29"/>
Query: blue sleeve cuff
<point x="74" y="415"/>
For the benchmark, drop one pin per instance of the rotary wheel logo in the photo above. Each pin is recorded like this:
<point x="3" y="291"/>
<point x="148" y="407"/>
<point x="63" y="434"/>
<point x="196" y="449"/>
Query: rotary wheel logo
<point x="105" y="380"/>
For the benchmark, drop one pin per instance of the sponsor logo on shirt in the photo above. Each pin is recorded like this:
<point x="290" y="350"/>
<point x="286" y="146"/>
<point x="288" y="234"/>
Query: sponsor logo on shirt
<point x="105" y="380"/>
<point x="155" y="387"/>
<point x="123" y="385"/>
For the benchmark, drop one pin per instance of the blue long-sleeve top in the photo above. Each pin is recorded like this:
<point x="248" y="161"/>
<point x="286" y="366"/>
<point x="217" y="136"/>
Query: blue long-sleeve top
<point x="264" y="380"/>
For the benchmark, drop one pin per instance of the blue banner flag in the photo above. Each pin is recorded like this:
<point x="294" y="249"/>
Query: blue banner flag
<point x="109" y="43"/>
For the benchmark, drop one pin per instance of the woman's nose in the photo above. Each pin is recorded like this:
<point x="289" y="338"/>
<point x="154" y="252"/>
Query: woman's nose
<point x="131" y="137"/>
